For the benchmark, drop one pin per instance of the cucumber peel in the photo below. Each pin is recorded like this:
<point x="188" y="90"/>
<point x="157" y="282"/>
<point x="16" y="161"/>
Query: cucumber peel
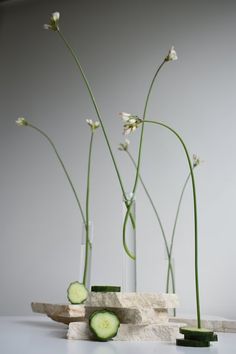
<point x="197" y="333"/>
<point x="192" y="343"/>
<point x="77" y="293"/>
<point x="196" y="337"/>
<point x="105" y="289"/>
<point x="104" y="324"/>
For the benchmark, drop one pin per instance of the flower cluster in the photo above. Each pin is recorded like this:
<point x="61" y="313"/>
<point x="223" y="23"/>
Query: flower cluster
<point x="196" y="160"/>
<point x="21" y="122"/>
<point x="124" y="146"/>
<point x="93" y="125"/>
<point x="53" y="22"/>
<point x="172" y="55"/>
<point x="131" y="122"/>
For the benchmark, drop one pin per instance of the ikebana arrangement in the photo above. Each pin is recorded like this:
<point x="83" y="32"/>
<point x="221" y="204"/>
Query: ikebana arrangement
<point x="105" y="322"/>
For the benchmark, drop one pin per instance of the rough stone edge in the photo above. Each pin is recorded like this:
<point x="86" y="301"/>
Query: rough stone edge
<point x="155" y="300"/>
<point x="227" y="326"/>
<point x="153" y="332"/>
<point x="75" y="313"/>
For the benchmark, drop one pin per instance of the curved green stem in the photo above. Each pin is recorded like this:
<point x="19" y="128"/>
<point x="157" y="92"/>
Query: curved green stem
<point x="88" y="245"/>
<point x="77" y="61"/>
<point x="62" y="165"/>
<point x="139" y="157"/>
<point x="195" y="215"/>
<point x="160" y="224"/>
<point x="176" y="219"/>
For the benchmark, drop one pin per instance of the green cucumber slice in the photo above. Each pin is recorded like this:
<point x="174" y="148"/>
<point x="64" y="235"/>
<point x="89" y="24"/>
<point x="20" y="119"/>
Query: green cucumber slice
<point x="105" y="289"/>
<point x="104" y="324"/>
<point x="192" y="343"/>
<point x="77" y="293"/>
<point x="201" y="334"/>
<point x="212" y="338"/>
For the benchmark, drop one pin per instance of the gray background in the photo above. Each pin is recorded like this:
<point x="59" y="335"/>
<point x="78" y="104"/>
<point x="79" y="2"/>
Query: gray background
<point x="120" y="44"/>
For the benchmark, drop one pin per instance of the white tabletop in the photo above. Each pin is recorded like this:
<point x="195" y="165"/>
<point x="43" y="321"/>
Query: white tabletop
<point x="40" y="335"/>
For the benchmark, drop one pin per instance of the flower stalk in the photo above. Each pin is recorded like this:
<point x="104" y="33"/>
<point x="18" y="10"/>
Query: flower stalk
<point x="169" y="248"/>
<point x="170" y="268"/>
<point x="23" y="122"/>
<point x="85" y="216"/>
<point x="87" y="84"/>
<point x="195" y="216"/>
<point x="129" y="129"/>
<point x="88" y="246"/>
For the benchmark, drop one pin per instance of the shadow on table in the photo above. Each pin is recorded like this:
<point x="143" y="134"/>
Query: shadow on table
<point x="57" y="330"/>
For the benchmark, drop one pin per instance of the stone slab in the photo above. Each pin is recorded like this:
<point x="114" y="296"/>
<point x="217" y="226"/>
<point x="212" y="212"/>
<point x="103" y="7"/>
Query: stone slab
<point x="133" y="315"/>
<point x="129" y="332"/>
<point x="214" y="324"/>
<point x="74" y="313"/>
<point x="64" y="313"/>
<point x="133" y="300"/>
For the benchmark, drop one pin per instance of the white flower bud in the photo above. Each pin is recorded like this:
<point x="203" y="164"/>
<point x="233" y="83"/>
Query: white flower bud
<point x="53" y="22"/>
<point x="172" y="55"/>
<point x="21" y="122"/>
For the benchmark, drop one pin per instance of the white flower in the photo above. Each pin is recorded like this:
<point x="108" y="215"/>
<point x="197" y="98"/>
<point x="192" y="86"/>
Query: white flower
<point x="129" y="129"/>
<point x="53" y="22"/>
<point x="172" y="55"/>
<point x="56" y="16"/>
<point x="131" y="122"/>
<point x="21" y="122"/>
<point x="196" y="160"/>
<point x="124" y="146"/>
<point x="125" y="116"/>
<point x="93" y="125"/>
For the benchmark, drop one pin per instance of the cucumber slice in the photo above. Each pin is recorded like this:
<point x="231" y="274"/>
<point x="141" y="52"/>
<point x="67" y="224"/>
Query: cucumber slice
<point x="192" y="343"/>
<point x="77" y="293"/>
<point x="105" y="289"/>
<point x="201" y="334"/>
<point x="212" y="338"/>
<point x="104" y="324"/>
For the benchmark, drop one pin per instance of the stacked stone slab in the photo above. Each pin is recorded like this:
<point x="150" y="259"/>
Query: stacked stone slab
<point x="143" y="316"/>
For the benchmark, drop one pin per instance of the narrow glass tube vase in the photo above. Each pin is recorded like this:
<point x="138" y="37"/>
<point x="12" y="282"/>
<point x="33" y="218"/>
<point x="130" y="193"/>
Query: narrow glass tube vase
<point x="170" y="280"/>
<point x="170" y="275"/>
<point x="129" y="274"/>
<point x="86" y="251"/>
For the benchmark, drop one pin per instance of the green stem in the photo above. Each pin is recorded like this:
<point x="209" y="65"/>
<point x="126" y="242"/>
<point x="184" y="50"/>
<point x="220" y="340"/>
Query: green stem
<point x="176" y="219"/>
<point x="88" y="245"/>
<point x="139" y="159"/>
<point x="195" y="216"/>
<point x="62" y="165"/>
<point x="77" y="61"/>
<point x="159" y="221"/>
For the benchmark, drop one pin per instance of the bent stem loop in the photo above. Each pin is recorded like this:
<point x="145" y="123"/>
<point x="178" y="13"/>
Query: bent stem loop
<point x="170" y="269"/>
<point x="88" y="245"/>
<point x="139" y="161"/>
<point x="63" y="167"/>
<point x="175" y="224"/>
<point x="195" y="215"/>
<point x="79" y="66"/>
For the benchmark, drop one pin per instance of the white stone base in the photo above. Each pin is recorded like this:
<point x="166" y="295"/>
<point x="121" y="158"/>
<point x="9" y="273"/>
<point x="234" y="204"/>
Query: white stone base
<point x="129" y="332"/>
<point x="143" y="316"/>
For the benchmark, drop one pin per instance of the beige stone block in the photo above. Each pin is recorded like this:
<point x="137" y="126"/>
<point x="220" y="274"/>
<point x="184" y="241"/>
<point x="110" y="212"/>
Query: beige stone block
<point x="129" y="332"/>
<point x="60" y="313"/>
<point x="215" y="324"/>
<point x="134" y="315"/>
<point x="74" y="313"/>
<point x="133" y="300"/>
